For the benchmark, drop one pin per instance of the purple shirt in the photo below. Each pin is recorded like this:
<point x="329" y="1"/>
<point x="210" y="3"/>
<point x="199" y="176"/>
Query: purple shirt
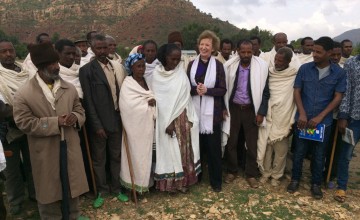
<point x="242" y="93"/>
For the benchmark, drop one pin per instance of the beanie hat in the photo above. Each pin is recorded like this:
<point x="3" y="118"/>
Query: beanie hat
<point x="42" y="53"/>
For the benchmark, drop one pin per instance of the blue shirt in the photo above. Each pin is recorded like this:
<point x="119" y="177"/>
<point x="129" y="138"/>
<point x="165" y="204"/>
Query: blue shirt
<point x="317" y="94"/>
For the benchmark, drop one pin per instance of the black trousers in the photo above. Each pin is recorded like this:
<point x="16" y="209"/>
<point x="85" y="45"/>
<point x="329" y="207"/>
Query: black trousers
<point x="210" y="146"/>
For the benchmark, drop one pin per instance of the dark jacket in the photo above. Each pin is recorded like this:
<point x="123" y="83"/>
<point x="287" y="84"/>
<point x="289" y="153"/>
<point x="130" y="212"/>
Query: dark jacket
<point x="98" y="101"/>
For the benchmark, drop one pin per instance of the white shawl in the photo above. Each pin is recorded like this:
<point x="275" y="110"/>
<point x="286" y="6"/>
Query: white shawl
<point x="2" y="155"/>
<point x="305" y="58"/>
<point x="258" y="76"/>
<point x="269" y="57"/>
<point x="204" y="105"/>
<point x="29" y="67"/>
<point x="49" y="94"/>
<point x="149" y="71"/>
<point x="86" y="59"/>
<point x="135" y="111"/>
<point x="71" y="75"/>
<point x="10" y="82"/>
<point x="281" y="110"/>
<point x="172" y="93"/>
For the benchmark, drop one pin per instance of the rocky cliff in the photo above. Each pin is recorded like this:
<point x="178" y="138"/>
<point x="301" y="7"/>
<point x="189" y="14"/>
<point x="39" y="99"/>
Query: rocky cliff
<point x="129" y="21"/>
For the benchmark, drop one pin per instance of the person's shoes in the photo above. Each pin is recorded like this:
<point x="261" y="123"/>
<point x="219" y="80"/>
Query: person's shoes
<point x="15" y="210"/>
<point x="229" y="178"/>
<point x="331" y="185"/>
<point x="275" y="183"/>
<point x="98" y="201"/>
<point x="252" y="182"/>
<point x="122" y="197"/>
<point x="316" y="191"/>
<point x="340" y="195"/>
<point x="183" y="190"/>
<point x="216" y="189"/>
<point x="263" y="179"/>
<point x="293" y="186"/>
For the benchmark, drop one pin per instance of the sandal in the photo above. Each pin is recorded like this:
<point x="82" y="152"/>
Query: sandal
<point x="98" y="201"/>
<point x="122" y="197"/>
<point x="340" y="195"/>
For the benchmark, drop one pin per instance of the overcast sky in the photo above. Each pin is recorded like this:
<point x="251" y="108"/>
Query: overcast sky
<point x="297" y="18"/>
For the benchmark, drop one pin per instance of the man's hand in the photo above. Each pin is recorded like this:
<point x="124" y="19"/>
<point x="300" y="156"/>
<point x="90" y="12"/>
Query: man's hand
<point x="101" y="133"/>
<point x="302" y="122"/>
<point x="152" y="102"/>
<point x="70" y="119"/>
<point x="259" y="119"/>
<point x="342" y="123"/>
<point x="315" y="121"/>
<point x="62" y="120"/>
<point x="225" y="114"/>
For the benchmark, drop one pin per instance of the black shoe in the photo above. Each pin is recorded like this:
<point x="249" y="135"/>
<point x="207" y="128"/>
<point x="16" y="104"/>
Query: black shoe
<point x="316" y="191"/>
<point x="293" y="186"/>
<point x="216" y="189"/>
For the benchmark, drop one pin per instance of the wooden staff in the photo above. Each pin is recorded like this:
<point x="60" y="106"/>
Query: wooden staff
<point x="332" y="153"/>
<point x="90" y="160"/>
<point x="130" y="168"/>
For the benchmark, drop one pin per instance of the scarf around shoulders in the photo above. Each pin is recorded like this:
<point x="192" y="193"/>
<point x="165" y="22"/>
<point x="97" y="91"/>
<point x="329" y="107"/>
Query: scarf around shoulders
<point x="71" y="75"/>
<point x="11" y="81"/>
<point x="204" y="105"/>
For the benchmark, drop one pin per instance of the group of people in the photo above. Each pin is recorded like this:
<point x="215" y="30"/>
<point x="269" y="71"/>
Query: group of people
<point x="159" y="118"/>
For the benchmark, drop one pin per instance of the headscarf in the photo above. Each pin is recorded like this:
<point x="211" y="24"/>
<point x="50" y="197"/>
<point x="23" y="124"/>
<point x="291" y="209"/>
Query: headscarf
<point x="133" y="58"/>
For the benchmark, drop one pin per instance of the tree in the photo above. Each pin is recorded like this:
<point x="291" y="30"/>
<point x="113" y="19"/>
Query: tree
<point x="191" y="33"/>
<point x="265" y="36"/>
<point x="55" y="37"/>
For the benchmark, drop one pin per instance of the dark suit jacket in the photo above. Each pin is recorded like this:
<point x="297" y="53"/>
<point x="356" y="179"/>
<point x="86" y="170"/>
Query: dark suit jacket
<point x="265" y="97"/>
<point x="98" y="101"/>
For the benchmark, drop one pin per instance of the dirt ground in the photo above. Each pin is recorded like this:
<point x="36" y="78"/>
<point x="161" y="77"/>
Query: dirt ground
<point x="236" y="201"/>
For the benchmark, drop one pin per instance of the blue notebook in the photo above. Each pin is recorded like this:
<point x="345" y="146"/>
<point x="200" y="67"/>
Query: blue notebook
<point x="316" y="134"/>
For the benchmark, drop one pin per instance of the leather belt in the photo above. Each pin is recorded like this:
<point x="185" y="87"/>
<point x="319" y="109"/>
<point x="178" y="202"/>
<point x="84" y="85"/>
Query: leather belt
<point x="243" y="106"/>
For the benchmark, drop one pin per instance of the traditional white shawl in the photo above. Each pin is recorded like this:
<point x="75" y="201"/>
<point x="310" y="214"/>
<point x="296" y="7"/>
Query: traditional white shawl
<point x="135" y="111"/>
<point x="281" y="110"/>
<point x="305" y="58"/>
<point x="220" y="57"/>
<point x="269" y="57"/>
<point x="29" y="67"/>
<point x="119" y="71"/>
<point x="204" y="105"/>
<point x="2" y="155"/>
<point x="149" y="71"/>
<point x="71" y="75"/>
<point x="115" y="57"/>
<point x="172" y="93"/>
<point x="258" y="76"/>
<point x="49" y="94"/>
<point x="10" y="82"/>
<point x="86" y="59"/>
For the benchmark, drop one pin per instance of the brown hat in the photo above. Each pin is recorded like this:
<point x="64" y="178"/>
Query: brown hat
<point x="175" y="37"/>
<point x="42" y="53"/>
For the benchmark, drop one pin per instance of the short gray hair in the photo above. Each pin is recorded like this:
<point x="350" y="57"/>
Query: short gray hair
<point x="287" y="52"/>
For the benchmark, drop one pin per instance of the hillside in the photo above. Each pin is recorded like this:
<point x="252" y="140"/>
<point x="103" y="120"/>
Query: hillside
<point x="129" y="21"/>
<point x="353" y="35"/>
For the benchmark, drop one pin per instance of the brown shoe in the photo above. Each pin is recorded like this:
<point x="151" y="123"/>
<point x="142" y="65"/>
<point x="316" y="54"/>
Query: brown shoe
<point x="252" y="182"/>
<point x="229" y="178"/>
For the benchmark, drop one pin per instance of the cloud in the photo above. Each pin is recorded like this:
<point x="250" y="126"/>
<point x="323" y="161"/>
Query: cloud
<point x="296" y="18"/>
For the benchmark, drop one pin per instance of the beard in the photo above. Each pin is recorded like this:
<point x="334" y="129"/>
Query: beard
<point x="53" y="76"/>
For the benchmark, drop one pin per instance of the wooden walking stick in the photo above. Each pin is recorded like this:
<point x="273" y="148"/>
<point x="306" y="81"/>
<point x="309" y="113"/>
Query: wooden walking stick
<point x="130" y="168"/>
<point x="90" y="160"/>
<point x="332" y="153"/>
